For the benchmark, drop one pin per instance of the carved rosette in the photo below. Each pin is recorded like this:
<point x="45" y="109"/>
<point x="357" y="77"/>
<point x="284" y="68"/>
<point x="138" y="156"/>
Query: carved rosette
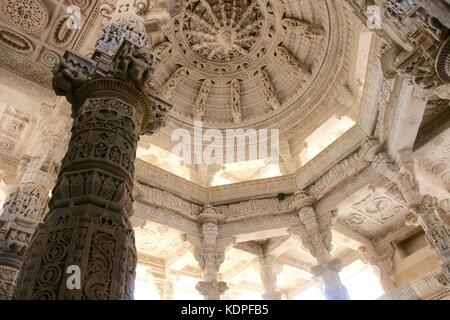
<point x="88" y="224"/>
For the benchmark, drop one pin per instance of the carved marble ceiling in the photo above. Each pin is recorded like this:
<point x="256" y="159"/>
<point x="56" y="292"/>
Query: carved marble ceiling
<point x="302" y="66"/>
<point x="237" y="62"/>
<point x="283" y="64"/>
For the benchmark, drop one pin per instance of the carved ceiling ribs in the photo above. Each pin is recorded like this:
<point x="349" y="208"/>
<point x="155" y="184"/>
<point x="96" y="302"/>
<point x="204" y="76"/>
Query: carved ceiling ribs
<point x="308" y="30"/>
<point x="236" y="111"/>
<point x="268" y="90"/>
<point x="200" y="103"/>
<point x="174" y="81"/>
<point x="298" y="69"/>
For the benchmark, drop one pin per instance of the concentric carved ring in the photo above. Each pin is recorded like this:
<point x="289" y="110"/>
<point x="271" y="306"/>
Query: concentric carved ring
<point x="222" y="30"/>
<point x="443" y="62"/>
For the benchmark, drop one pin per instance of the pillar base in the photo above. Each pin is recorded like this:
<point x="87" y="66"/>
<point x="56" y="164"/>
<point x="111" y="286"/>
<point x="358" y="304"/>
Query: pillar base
<point x="272" y="296"/>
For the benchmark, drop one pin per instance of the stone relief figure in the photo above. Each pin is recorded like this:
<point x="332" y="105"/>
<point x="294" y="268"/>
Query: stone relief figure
<point x="200" y="104"/>
<point x="69" y="75"/>
<point x="134" y="66"/>
<point x="287" y="58"/>
<point x="236" y="112"/>
<point x="268" y="90"/>
<point x="174" y="81"/>
<point x="310" y="31"/>
<point x="32" y="207"/>
<point x="425" y="28"/>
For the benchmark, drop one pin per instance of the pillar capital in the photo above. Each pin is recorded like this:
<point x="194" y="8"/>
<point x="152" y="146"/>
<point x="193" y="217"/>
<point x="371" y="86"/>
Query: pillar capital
<point x="212" y="290"/>
<point x="210" y="214"/>
<point x="383" y="263"/>
<point x="301" y="200"/>
<point x="315" y="235"/>
<point x="315" y="232"/>
<point x="209" y="251"/>
<point x="370" y="147"/>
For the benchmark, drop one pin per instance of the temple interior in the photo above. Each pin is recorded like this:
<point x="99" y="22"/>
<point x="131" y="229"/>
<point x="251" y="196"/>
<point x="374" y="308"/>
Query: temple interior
<point x="118" y="180"/>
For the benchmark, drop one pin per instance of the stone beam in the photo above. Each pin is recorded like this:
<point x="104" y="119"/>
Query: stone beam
<point x="349" y="237"/>
<point x="235" y="271"/>
<point x="277" y="248"/>
<point x="181" y="259"/>
<point x="165" y="217"/>
<point x="303" y="267"/>
<point x="259" y="227"/>
<point x="407" y="120"/>
<point x="249" y="247"/>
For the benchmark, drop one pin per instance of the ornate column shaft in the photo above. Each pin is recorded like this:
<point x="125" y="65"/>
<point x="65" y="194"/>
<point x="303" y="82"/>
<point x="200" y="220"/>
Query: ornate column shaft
<point x="26" y="206"/>
<point x="315" y="235"/>
<point x="88" y="224"/>
<point x="424" y="208"/>
<point x="269" y="269"/>
<point x="210" y="254"/>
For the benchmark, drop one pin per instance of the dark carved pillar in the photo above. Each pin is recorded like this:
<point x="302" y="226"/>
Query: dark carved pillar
<point x="88" y="223"/>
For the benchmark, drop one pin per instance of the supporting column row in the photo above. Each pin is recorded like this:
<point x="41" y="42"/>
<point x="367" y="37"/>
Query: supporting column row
<point x="26" y="206"/>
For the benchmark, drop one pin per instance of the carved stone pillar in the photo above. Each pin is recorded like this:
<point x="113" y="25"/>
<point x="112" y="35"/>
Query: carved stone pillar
<point x="424" y="208"/>
<point x="437" y="234"/>
<point x="164" y="287"/>
<point x="383" y="263"/>
<point x="88" y="223"/>
<point x="210" y="254"/>
<point x="329" y="272"/>
<point x="269" y="269"/>
<point x="26" y="206"/>
<point x="315" y="235"/>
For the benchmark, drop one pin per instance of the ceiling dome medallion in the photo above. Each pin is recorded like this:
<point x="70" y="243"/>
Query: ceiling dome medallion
<point x="226" y="37"/>
<point x="242" y="62"/>
<point x="223" y="30"/>
<point x="29" y="15"/>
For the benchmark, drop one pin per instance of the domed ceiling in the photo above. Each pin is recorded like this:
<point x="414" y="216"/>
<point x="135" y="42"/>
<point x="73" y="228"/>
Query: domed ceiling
<point x="238" y="63"/>
<point x="291" y="65"/>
